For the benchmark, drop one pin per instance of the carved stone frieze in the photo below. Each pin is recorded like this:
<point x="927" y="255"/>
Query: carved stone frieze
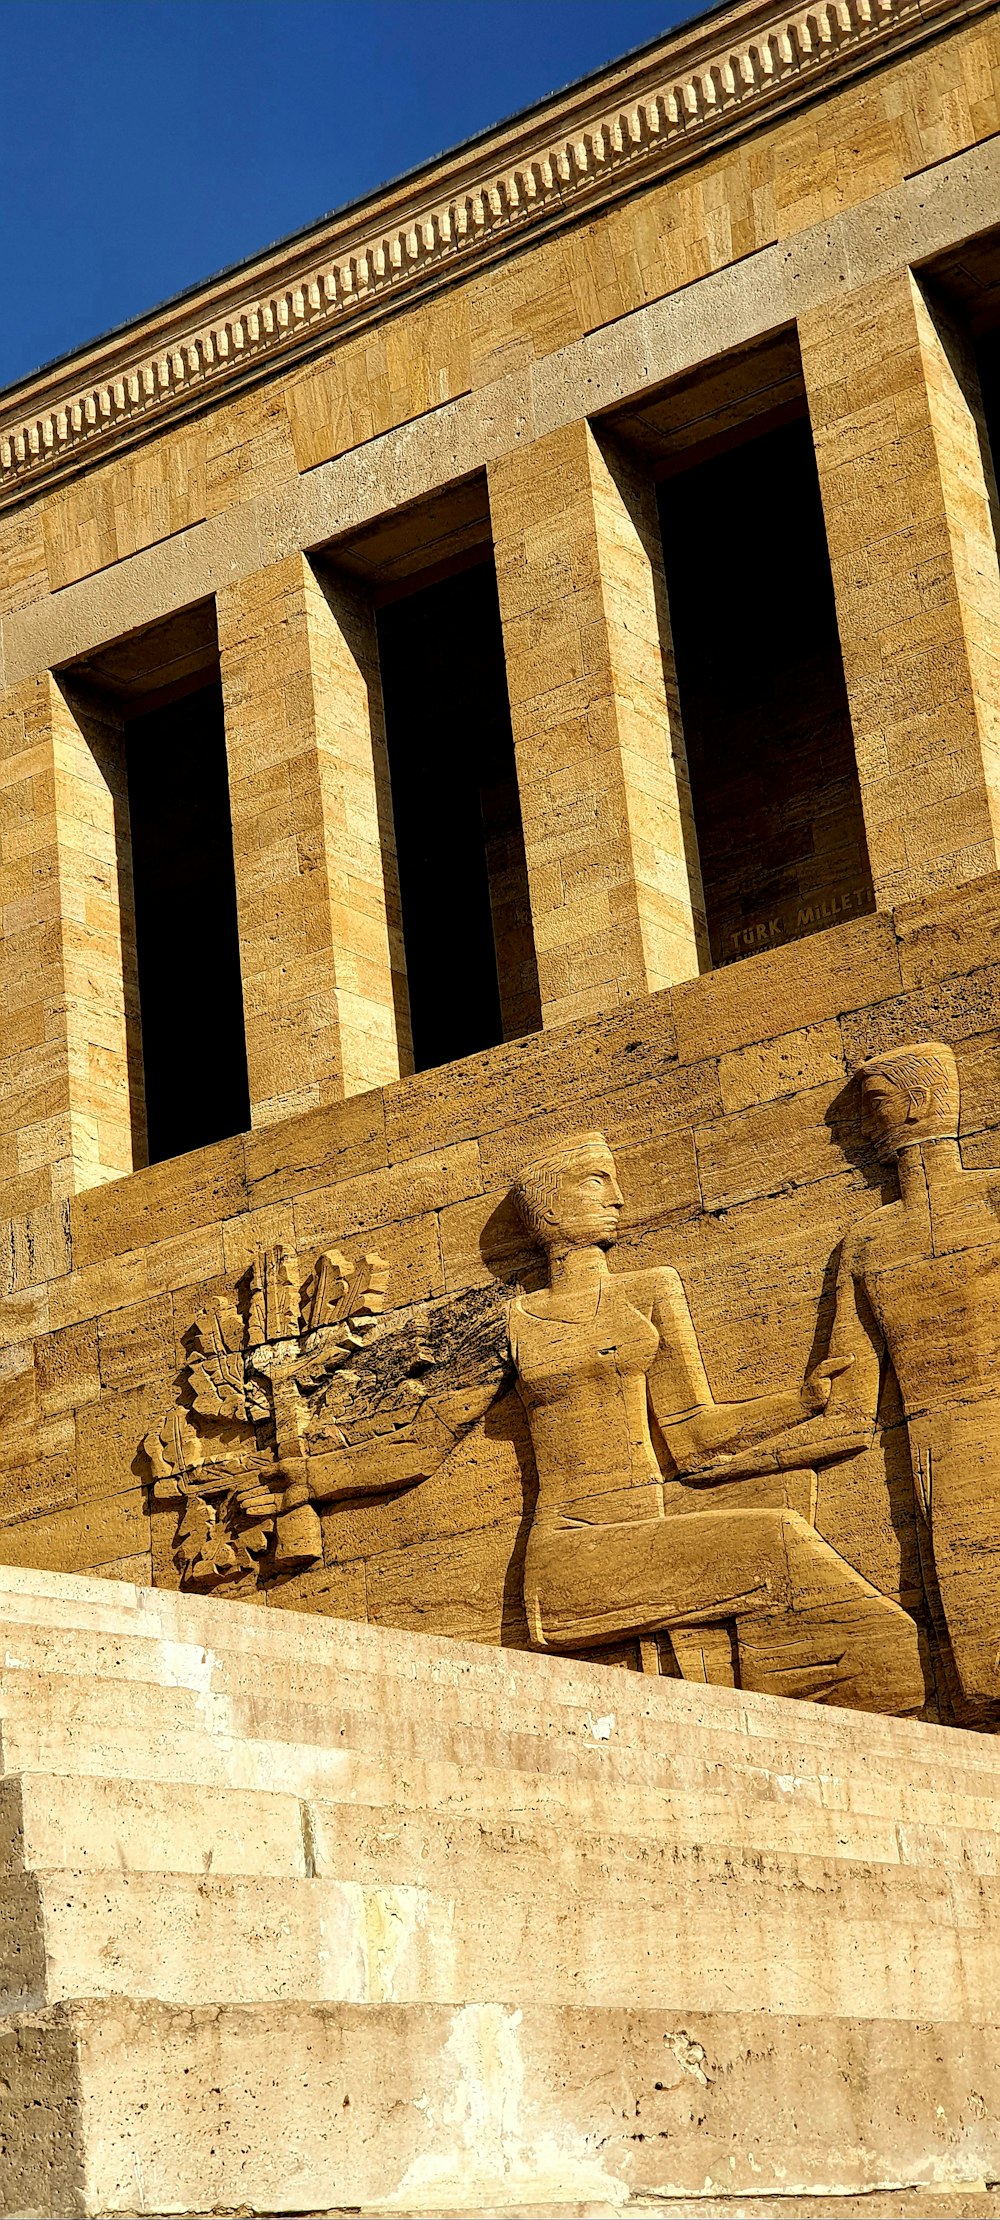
<point x="713" y="1536"/>
<point x="662" y="1514"/>
<point x="246" y="1403"/>
<point x="296" y="1390"/>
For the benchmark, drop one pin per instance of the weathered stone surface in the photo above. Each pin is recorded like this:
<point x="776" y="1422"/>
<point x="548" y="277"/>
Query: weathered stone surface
<point x="294" y="1891"/>
<point x="557" y="1935"/>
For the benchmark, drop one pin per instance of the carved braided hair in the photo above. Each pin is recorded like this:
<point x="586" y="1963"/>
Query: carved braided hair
<point x="537" y="1183"/>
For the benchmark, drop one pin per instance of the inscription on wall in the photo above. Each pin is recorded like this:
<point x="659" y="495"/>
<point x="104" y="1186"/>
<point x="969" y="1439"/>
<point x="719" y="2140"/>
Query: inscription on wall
<point x="796" y="919"/>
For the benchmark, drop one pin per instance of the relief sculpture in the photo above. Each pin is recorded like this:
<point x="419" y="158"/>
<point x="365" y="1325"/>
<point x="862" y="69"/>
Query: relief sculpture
<point x="618" y="1547"/>
<point x="919" y="1285"/>
<point x="296" y="1391"/>
<point x="663" y="1517"/>
<point x="245" y="1406"/>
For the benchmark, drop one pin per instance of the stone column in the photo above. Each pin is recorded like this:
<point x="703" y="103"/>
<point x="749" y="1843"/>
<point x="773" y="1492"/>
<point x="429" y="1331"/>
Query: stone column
<point x="909" y="506"/>
<point x="616" y="897"/>
<point x="70" y="1072"/>
<point x="320" y="942"/>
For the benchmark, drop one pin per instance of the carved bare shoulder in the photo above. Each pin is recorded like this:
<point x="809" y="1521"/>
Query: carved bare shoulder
<point x="658" y="1287"/>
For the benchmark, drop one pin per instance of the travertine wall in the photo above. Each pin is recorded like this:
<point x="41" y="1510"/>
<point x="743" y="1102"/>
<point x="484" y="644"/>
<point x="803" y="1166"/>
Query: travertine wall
<point x="729" y="1108"/>
<point x="616" y="897"/>
<point x="724" y="1096"/>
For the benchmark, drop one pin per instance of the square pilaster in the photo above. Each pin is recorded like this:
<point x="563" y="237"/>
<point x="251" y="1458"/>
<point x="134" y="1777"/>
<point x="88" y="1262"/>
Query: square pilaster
<point x="905" y="477"/>
<point x="320" y="944"/>
<point x="70" y="1072"/>
<point x="615" y="888"/>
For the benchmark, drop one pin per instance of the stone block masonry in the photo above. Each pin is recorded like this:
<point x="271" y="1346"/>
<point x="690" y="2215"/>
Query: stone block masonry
<point x="309" y="794"/>
<point x="665" y="1334"/>
<point x="612" y="856"/>
<point x="729" y="1106"/>
<point x="303" y="1915"/>
<point x="910" y="499"/>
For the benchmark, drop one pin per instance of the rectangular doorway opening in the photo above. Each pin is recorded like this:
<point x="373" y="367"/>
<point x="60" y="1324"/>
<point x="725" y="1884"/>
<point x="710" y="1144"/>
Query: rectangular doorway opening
<point x="150" y="707"/>
<point x="471" y="974"/>
<point x="775" y="791"/>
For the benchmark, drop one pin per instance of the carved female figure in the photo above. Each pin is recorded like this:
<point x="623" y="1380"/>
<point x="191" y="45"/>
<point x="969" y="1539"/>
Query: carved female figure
<point x="612" y="1550"/>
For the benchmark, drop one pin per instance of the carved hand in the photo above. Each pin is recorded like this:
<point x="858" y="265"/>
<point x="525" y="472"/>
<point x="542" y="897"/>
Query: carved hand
<point x="257" y="1500"/>
<point x="817" y="1384"/>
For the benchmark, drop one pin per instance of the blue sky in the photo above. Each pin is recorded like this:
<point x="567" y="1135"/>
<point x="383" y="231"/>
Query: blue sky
<point x="145" y="144"/>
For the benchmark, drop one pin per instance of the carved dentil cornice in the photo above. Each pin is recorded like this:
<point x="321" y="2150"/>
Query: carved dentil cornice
<point x="633" y="122"/>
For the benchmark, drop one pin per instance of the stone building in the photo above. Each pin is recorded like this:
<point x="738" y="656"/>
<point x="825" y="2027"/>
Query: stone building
<point x="521" y="660"/>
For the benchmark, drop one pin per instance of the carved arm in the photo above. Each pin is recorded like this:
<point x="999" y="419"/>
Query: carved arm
<point x="765" y="1433"/>
<point x="397" y="1458"/>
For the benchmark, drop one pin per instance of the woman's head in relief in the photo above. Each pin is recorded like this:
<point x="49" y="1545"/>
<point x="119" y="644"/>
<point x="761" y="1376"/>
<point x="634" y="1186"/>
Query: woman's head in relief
<point x="569" y="1197"/>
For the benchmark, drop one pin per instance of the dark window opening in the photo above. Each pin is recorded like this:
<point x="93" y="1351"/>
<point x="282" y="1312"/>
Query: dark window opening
<point x="962" y="292"/>
<point x="187" y="943"/>
<point x="988" y="357"/>
<point x="470" y="958"/>
<point x="149" y="707"/>
<point x="777" y="803"/>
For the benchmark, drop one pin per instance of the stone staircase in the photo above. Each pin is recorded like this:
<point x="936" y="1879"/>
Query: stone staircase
<point x="300" y="1915"/>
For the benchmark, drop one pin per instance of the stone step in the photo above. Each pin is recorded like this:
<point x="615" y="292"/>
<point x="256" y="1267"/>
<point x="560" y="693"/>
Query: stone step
<point x="213" y="1679"/>
<point x="165" y="1617"/>
<point x="423" y="1847"/>
<point x="83" y="1823"/>
<point x="606" y="1801"/>
<point x="62" y="1723"/>
<point x="406" y="1921"/>
<point x="797" y="1935"/>
<point x="425" y="2109"/>
<point x="331" y="1692"/>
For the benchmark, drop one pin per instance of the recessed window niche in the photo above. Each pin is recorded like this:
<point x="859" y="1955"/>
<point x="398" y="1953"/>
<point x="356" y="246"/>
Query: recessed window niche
<point x="962" y="292"/>
<point x="166" y="950"/>
<point x="471" y="974"/>
<point x="777" y="804"/>
<point x="775" y="792"/>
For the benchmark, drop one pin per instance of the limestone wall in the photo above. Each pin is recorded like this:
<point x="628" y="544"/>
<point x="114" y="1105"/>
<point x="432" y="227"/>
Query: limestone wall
<point x="729" y="1107"/>
<point x="725" y="1096"/>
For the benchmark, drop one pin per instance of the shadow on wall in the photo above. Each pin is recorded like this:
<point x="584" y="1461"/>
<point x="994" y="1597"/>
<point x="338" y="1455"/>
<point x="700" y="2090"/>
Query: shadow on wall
<point x="507" y="1250"/>
<point x="510" y="1257"/>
